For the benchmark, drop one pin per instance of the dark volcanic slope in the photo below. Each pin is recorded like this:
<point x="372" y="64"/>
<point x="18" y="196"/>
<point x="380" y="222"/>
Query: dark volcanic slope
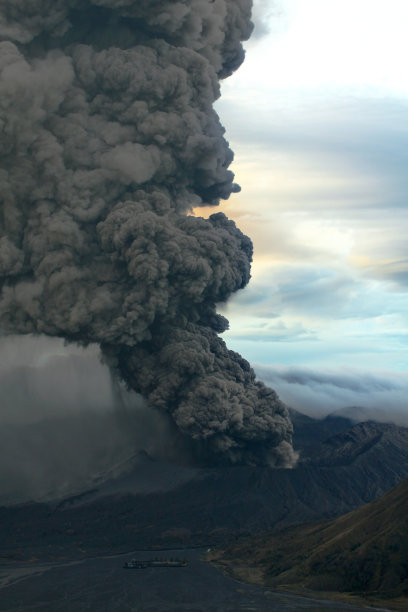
<point x="350" y="469"/>
<point x="363" y="551"/>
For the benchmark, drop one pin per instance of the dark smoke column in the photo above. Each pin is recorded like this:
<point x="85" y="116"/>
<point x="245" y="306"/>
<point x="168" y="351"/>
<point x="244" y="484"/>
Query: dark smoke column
<point x="109" y="139"/>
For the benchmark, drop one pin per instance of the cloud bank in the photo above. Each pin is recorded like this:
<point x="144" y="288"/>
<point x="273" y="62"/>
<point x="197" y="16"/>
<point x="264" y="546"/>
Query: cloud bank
<point x="357" y="394"/>
<point x="109" y="139"/>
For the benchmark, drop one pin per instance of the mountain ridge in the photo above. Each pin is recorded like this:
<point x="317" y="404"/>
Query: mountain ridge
<point x="364" y="552"/>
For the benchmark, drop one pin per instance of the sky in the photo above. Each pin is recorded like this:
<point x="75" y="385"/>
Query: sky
<point x="317" y="118"/>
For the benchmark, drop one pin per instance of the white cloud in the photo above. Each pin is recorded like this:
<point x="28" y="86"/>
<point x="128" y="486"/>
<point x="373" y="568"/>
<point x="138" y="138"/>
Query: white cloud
<point x="344" y="44"/>
<point x="381" y="395"/>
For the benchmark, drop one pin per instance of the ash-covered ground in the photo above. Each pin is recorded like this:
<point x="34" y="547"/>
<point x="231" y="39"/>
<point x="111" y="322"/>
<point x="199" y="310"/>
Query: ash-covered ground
<point x="68" y="554"/>
<point x="103" y="584"/>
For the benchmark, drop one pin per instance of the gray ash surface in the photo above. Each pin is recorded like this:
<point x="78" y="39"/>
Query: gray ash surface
<point x="101" y="584"/>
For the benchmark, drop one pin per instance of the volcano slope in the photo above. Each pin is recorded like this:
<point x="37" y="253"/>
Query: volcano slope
<point x="160" y="505"/>
<point x="364" y="552"/>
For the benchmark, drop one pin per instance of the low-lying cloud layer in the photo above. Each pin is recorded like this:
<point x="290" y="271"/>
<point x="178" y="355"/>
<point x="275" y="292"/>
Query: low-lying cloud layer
<point x="357" y="394"/>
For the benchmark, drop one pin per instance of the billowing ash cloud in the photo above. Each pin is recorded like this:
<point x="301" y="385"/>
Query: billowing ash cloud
<point x="108" y="140"/>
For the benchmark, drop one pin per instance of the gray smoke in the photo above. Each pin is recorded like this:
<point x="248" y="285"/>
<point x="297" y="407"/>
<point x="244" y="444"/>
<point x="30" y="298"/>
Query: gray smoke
<point x="65" y="428"/>
<point x="108" y="141"/>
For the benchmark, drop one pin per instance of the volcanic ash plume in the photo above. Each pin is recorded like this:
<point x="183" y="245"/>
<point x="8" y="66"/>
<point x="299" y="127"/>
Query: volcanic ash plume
<point x="108" y="140"/>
